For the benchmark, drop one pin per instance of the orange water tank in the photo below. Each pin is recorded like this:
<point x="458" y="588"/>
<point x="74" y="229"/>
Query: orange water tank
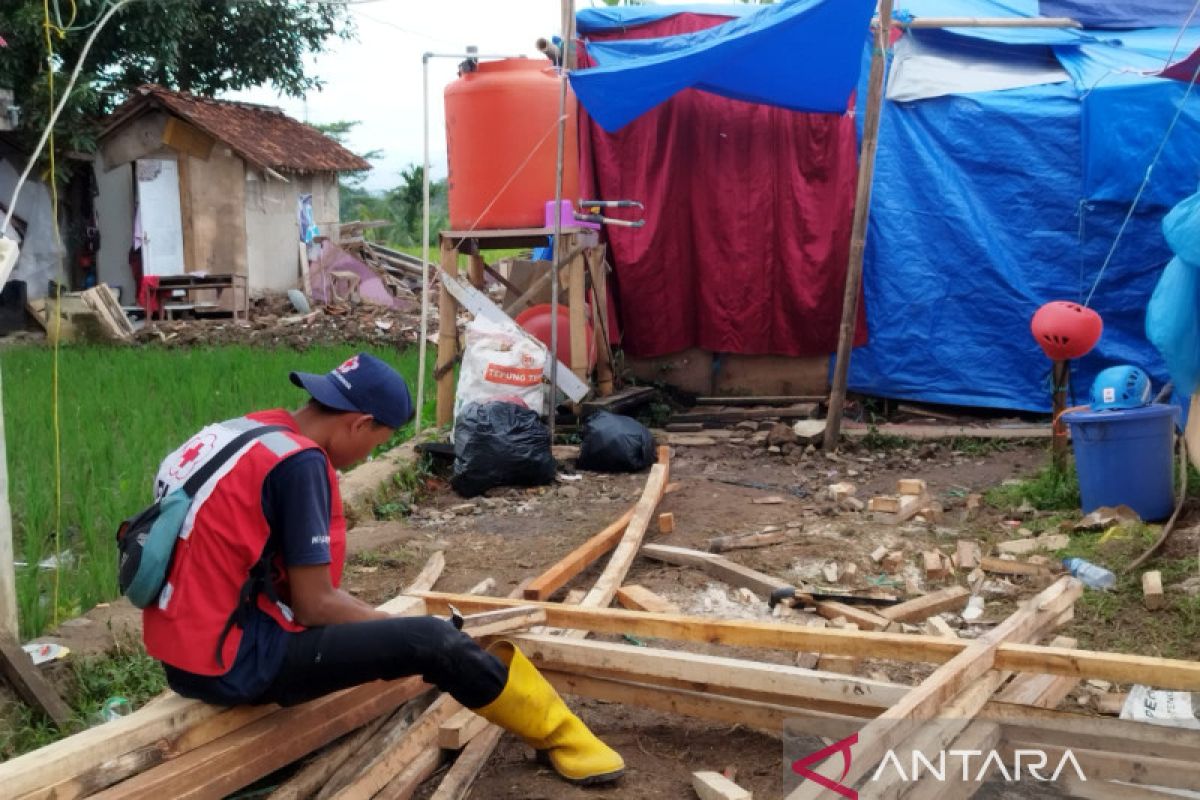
<point x="502" y="144"/>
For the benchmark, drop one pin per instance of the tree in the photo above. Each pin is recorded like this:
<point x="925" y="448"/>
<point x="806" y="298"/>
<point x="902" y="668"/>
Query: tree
<point x="201" y="46"/>
<point x="340" y="131"/>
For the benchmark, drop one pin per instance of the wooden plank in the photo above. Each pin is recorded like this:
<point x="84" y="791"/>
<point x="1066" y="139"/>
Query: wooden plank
<point x="1070" y="785"/>
<point x="764" y="400"/>
<point x="598" y="270"/>
<point x="1152" y="590"/>
<point x="447" y="344"/>
<point x="98" y="757"/>
<point x="941" y="432"/>
<point x="1117" y="766"/>
<point x="1015" y="657"/>
<point x="412" y="775"/>
<point x="501" y="621"/>
<point x="309" y="780"/>
<point x="1042" y="691"/>
<point x="579" y="559"/>
<point x="715" y="786"/>
<point x="766" y="717"/>
<point x="956" y="681"/>
<point x="717" y="566"/>
<point x="410" y="747"/>
<point x="17" y="667"/>
<point x="639" y="598"/>
<point x="978" y="736"/>
<point x="626" y="399"/>
<point x="951" y="598"/>
<point x="626" y="551"/>
<point x="967" y="554"/>
<point x="728" y="676"/>
<point x="475" y="271"/>
<point x="459" y="779"/>
<point x="1004" y="566"/>
<point x="723" y="544"/>
<point x="866" y="620"/>
<point x="238" y="759"/>
<point x="456" y="732"/>
<point x="577" y="314"/>
<point x="429" y="574"/>
<point x="1017" y="722"/>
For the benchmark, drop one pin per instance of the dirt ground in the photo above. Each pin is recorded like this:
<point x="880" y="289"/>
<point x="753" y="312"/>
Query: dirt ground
<point x="513" y="534"/>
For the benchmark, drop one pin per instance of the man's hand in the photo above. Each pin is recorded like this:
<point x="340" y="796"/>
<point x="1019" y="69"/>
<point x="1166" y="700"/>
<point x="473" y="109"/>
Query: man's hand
<point x="316" y="602"/>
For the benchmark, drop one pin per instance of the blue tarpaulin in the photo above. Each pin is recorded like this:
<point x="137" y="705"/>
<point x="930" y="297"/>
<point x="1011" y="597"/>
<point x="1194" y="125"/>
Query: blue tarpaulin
<point x="801" y="54"/>
<point x="987" y="205"/>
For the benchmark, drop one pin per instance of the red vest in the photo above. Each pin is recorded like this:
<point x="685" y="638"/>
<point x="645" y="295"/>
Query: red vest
<point x="222" y="539"/>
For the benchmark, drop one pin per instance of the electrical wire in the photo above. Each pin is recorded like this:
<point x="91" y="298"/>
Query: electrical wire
<point x="1162" y="145"/>
<point x="55" y="416"/>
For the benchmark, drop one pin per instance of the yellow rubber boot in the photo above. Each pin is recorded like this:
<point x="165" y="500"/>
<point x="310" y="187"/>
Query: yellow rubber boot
<point x="530" y="708"/>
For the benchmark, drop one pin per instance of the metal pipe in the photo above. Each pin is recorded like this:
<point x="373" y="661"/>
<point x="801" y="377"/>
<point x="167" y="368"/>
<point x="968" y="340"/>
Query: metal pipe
<point x="424" y="343"/>
<point x="550" y="50"/>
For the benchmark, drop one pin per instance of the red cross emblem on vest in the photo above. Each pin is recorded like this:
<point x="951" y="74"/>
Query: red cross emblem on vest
<point x="191" y="455"/>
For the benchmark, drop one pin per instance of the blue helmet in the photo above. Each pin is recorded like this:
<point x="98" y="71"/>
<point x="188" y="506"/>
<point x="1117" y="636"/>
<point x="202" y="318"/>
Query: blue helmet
<point x="1120" y="387"/>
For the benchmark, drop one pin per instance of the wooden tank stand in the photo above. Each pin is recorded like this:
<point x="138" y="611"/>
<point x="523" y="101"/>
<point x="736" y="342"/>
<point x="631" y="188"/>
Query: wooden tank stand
<point x="587" y="258"/>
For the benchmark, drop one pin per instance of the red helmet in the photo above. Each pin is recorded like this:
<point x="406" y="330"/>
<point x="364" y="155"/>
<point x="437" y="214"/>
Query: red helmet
<point x="1066" y="330"/>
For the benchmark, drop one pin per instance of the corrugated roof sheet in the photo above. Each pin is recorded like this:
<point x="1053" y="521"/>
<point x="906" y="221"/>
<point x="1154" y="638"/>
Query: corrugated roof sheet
<point x="262" y="135"/>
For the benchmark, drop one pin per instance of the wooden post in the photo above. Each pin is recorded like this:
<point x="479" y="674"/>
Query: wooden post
<point x="858" y="234"/>
<point x="447" y="338"/>
<point x="1061" y="377"/>
<point x="475" y="269"/>
<point x="8" y="577"/>
<point x="576" y="306"/>
<point x="604" y="363"/>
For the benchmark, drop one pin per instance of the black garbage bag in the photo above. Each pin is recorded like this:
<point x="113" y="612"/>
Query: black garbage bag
<point x="500" y="444"/>
<point x="613" y="443"/>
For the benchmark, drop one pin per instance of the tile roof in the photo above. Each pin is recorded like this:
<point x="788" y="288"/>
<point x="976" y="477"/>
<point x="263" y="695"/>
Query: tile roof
<point x="262" y="135"/>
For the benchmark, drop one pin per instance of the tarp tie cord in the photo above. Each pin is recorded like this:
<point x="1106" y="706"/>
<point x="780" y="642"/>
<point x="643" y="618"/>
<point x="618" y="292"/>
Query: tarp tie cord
<point x="1146" y="180"/>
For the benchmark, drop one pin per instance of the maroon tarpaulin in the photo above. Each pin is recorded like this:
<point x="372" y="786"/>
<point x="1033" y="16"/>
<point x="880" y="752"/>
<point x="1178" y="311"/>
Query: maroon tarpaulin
<point x="1184" y="70"/>
<point x="748" y="216"/>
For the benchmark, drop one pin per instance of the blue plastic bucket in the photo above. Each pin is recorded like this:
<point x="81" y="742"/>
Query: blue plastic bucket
<point x="1124" y="457"/>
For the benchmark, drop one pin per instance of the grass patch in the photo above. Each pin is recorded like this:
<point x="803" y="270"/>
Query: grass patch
<point x="874" y="440"/>
<point x="1049" y="489"/>
<point x="406" y="488"/>
<point x="121" y="410"/>
<point x="1117" y="619"/>
<point x="126" y="672"/>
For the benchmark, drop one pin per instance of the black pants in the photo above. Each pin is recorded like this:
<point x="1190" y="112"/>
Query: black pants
<point x="324" y="660"/>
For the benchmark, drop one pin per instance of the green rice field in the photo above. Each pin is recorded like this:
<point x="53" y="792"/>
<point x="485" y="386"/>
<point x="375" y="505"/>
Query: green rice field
<point x="121" y="410"/>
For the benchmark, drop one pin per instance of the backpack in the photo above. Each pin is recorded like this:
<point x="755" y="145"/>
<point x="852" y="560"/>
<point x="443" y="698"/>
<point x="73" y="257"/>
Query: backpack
<point x="146" y="541"/>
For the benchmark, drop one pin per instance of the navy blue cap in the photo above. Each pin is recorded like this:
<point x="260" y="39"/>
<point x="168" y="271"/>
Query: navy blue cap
<point x="362" y="383"/>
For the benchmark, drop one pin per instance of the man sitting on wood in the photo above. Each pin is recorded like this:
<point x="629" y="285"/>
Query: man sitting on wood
<point x="251" y="611"/>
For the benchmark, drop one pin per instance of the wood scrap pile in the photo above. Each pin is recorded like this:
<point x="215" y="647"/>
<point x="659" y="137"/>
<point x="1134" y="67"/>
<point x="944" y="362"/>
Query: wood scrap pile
<point x="91" y="315"/>
<point x="994" y="692"/>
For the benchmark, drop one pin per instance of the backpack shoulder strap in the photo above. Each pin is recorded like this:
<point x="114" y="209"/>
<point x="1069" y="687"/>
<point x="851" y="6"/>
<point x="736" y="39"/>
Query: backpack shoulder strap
<point x="227" y="452"/>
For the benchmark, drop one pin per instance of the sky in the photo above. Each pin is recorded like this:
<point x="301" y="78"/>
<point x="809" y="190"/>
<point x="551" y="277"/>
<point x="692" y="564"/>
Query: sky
<point x="377" y="79"/>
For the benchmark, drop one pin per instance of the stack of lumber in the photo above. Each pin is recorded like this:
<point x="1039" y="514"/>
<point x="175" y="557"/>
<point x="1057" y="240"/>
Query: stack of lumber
<point x="385" y="740"/>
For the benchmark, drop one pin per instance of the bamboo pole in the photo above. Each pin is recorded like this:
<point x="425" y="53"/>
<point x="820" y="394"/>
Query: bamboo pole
<point x="1062" y="377"/>
<point x="988" y="22"/>
<point x="858" y="235"/>
<point x="8" y="576"/>
<point x="567" y="23"/>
